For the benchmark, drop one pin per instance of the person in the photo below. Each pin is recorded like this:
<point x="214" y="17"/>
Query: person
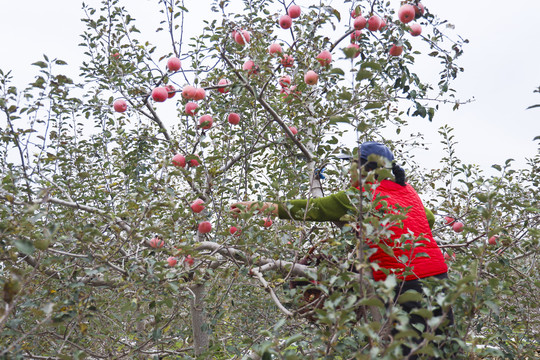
<point x="415" y="257"/>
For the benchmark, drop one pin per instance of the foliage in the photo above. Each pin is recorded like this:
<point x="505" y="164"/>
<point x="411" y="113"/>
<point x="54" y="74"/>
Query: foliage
<point x="84" y="189"/>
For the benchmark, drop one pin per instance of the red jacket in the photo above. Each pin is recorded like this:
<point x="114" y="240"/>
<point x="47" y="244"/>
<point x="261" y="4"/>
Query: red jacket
<point x="425" y="259"/>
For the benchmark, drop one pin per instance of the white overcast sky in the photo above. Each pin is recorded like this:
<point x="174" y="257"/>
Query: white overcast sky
<point x="502" y="66"/>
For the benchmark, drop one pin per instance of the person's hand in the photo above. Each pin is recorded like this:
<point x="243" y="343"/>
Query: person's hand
<point x="246" y="206"/>
<point x="240" y="207"/>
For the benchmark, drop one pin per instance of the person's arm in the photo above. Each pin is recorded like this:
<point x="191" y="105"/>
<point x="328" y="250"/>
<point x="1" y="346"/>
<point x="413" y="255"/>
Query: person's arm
<point x="328" y="208"/>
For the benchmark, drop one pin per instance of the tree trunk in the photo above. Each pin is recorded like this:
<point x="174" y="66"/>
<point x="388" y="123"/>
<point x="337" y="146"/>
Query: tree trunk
<point x="198" y="319"/>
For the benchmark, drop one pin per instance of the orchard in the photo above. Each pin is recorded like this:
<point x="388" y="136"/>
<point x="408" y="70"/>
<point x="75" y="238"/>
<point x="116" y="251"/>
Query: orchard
<point x="116" y="235"/>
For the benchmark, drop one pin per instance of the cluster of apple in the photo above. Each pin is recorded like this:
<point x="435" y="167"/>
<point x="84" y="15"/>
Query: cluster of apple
<point x="160" y="93"/>
<point x="293" y="12"/>
<point x="457" y="226"/>
<point x="406" y="14"/>
<point x="158" y="243"/>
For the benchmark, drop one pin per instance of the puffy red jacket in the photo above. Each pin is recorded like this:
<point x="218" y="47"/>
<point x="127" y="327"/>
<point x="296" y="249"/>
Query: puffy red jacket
<point x="423" y="259"/>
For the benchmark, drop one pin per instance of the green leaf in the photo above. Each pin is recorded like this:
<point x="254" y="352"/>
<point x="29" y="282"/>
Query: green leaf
<point x="337" y="71"/>
<point x="41" y="64"/>
<point x="24" y="246"/>
<point x="374" y="105"/>
<point x="371" y="64"/>
<point x="363" y="74"/>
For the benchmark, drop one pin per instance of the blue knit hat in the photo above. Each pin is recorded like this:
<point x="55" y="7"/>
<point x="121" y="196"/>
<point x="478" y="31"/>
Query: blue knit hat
<point x="375" y="148"/>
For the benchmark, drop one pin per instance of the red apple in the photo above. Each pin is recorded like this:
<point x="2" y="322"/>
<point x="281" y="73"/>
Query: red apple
<point x="206" y="121"/>
<point x="197" y="206"/>
<point x="356" y="35"/>
<point x="356" y="51"/>
<point x="171" y="91"/>
<point x="160" y="94"/>
<point x="179" y="160"/>
<point x="287" y="61"/>
<point x="234" y="230"/>
<point x="189" y="260"/>
<point x="396" y="50"/>
<point x="275" y="49"/>
<point x="223" y="90"/>
<point x="285" y="80"/>
<point x="294" y="11"/>
<point x="115" y="55"/>
<point x="416" y="29"/>
<point x="324" y="58"/>
<point x="311" y="77"/>
<point x="360" y="23"/>
<point x="293" y="130"/>
<point x="120" y="105"/>
<point x="194" y="162"/>
<point x="449" y="220"/>
<point x="188" y="92"/>
<point x="406" y="13"/>
<point x="233" y="118"/>
<point x="156" y="243"/>
<point x="289" y="91"/>
<point x="418" y="10"/>
<point x="383" y="25"/>
<point x="199" y="94"/>
<point x="242" y="37"/>
<point x="447" y="257"/>
<point x="250" y="67"/>
<point x="205" y="227"/>
<point x="190" y="108"/>
<point x="493" y="240"/>
<point x="458" y="227"/>
<point x="374" y="23"/>
<point x="172" y="261"/>
<point x="267" y="222"/>
<point x="285" y="21"/>
<point x="356" y="12"/>
<point x="174" y="64"/>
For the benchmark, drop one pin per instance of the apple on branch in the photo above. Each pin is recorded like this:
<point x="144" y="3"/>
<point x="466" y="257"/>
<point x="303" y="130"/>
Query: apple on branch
<point x="206" y="121"/>
<point x="188" y="92"/>
<point x="416" y="29"/>
<point x="171" y="260"/>
<point x="171" y="91"/>
<point x="179" y="160"/>
<point x="360" y="23"/>
<point x="294" y="11"/>
<point x="374" y="23"/>
<point x="156" y="242"/>
<point x="224" y="89"/>
<point x="287" y="61"/>
<point x="241" y="37"/>
<point x="458" y="227"/>
<point x="396" y="50"/>
<point x="233" y="118"/>
<point x="205" y="227"/>
<point x="285" y="81"/>
<point x="311" y="77"/>
<point x="275" y="49"/>
<point x="285" y="21"/>
<point x="120" y="105"/>
<point x="324" y="58"/>
<point x="191" y="108"/>
<point x="174" y="64"/>
<point x="199" y="94"/>
<point x="197" y="206"/>
<point x="356" y="35"/>
<point x="160" y="94"/>
<point x="406" y="13"/>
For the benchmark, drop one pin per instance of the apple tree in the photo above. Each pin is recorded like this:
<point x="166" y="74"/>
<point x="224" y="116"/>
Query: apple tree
<point x="116" y="232"/>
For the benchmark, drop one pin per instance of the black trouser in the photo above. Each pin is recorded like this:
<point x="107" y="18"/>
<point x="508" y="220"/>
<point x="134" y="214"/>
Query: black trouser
<point x="415" y="319"/>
